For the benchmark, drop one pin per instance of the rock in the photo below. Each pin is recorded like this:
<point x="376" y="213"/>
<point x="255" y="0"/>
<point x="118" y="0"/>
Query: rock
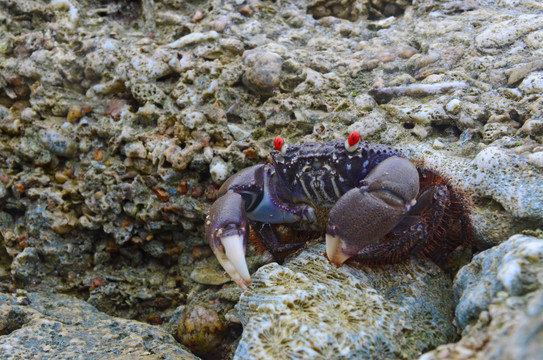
<point x="532" y="127"/>
<point x="167" y="96"/>
<point x="148" y="68"/>
<point x="201" y="329"/>
<point x="515" y="266"/>
<point x="533" y="83"/>
<point x="135" y="150"/>
<point x="262" y="71"/>
<point x="422" y="114"/>
<point x="193" y="38"/>
<point x="495" y="172"/>
<point x="58" y="143"/>
<point x="54" y="326"/>
<point x="208" y="275"/>
<point x="494" y="131"/>
<point x="453" y="106"/>
<point x="520" y="72"/>
<point x="364" y="102"/>
<point x="536" y="159"/>
<point x="219" y="170"/>
<point x="194" y="119"/>
<point x="500" y="303"/>
<point x="368" y="125"/>
<point x="349" y="9"/>
<point x="506" y="32"/>
<point x="308" y="308"/>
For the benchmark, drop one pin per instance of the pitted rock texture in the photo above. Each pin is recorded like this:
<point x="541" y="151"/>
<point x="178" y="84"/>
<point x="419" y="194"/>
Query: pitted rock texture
<point x="515" y="267"/>
<point x="52" y="326"/>
<point x="120" y="119"/>
<point x="309" y="309"/>
<point x="500" y="304"/>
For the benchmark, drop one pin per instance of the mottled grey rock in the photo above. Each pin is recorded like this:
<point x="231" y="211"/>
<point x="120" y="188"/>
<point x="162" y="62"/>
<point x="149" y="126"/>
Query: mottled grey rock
<point x="52" y="326"/>
<point x="262" y="71"/>
<point x="59" y="144"/>
<point x="495" y="172"/>
<point x="500" y="304"/>
<point x="310" y="309"/>
<point x="502" y="33"/>
<point x="514" y="266"/>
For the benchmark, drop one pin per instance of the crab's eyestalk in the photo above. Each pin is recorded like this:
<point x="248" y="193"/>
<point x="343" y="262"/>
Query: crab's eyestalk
<point x="227" y="231"/>
<point x="352" y="141"/>
<point x="362" y="217"/>
<point x="279" y="144"/>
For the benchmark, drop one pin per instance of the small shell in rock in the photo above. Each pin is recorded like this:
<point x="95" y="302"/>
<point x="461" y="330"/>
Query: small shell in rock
<point x="201" y="329"/>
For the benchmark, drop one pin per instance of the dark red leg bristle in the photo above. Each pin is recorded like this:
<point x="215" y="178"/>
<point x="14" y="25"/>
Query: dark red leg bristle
<point x="448" y="220"/>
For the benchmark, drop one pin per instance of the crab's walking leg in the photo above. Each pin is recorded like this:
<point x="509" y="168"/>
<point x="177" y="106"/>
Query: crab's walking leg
<point x="363" y="216"/>
<point x="227" y="232"/>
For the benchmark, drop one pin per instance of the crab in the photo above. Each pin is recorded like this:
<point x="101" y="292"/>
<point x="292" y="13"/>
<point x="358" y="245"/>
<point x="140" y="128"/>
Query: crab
<point x="374" y="205"/>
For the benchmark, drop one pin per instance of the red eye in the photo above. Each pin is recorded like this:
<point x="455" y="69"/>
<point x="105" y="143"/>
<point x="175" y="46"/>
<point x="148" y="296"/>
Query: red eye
<point x="354" y="138"/>
<point x="278" y="143"/>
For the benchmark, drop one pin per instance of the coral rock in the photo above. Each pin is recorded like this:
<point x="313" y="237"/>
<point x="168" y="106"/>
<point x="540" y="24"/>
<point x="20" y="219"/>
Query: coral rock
<point x="310" y="309"/>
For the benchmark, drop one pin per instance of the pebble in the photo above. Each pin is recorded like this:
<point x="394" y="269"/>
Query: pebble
<point x="149" y="67"/>
<point x="536" y="159"/>
<point x="533" y="83"/>
<point x="58" y="144"/>
<point x="438" y="145"/>
<point x="453" y="106"/>
<point x="201" y="329"/>
<point x="135" y="150"/>
<point x="364" y="102"/>
<point x="532" y="127"/>
<point x="219" y="170"/>
<point x="193" y="119"/>
<point x="207" y="275"/>
<point x="262" y="71"/>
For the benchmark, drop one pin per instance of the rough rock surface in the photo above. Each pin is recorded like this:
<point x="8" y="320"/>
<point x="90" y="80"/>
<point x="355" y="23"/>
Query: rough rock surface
<point x="500" y="303"/>
<point x="54" y="326"/>
<point x="310" y="309"/>
<point x="120" y="119"/>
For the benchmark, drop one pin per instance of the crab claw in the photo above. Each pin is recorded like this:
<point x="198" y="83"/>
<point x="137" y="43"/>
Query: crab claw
<point x="363" y="216"/>
<point x="227" y="231"/>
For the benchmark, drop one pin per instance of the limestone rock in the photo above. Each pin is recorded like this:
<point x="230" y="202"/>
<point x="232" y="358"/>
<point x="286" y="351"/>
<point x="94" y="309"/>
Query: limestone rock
<point x="514" y="266"/>
<point x="310" y="309"/>
<point x="52" y="326"/>
<point x="500" y="304"/>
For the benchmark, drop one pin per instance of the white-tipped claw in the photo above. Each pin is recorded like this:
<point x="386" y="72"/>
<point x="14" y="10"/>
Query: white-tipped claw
<point x="334" y="250"/>
<point x="233" y="260"/>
